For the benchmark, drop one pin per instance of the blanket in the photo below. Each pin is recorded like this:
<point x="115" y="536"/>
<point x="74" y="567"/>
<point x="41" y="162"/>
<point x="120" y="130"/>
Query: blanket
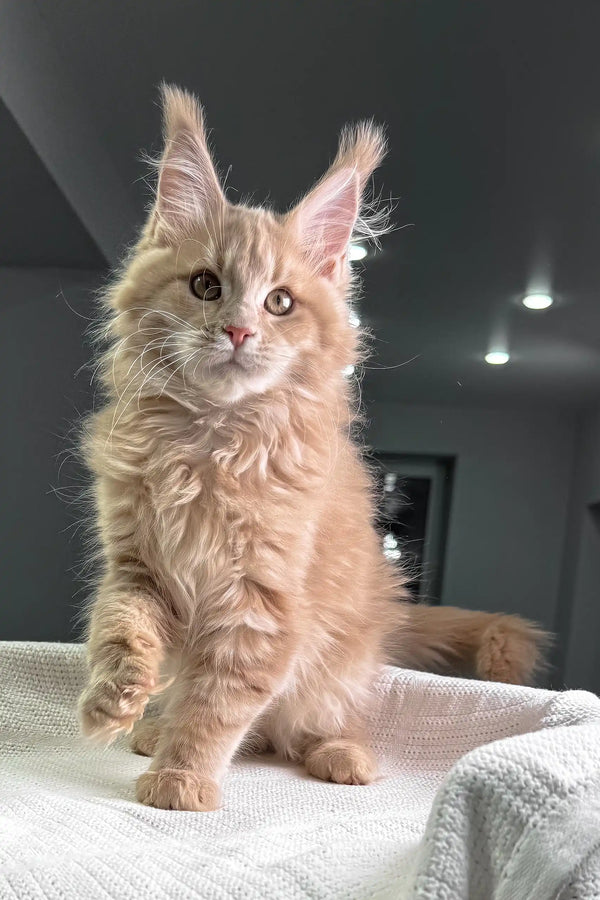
<point x="486" y="791"/>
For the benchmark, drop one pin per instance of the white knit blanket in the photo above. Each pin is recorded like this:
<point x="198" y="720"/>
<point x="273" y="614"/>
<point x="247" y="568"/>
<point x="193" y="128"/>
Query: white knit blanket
<point x="487" y="791"/>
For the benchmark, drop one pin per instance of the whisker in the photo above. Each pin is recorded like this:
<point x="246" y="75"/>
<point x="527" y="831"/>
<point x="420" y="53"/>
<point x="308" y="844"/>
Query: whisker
<point x="398" y="366"/>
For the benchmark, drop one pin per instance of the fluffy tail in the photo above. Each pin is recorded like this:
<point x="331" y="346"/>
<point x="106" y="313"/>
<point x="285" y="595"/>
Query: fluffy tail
<point x="452" y="641"/>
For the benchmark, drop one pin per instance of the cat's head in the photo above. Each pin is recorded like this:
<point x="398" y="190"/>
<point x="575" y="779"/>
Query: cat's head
<point x="223" y="301"/>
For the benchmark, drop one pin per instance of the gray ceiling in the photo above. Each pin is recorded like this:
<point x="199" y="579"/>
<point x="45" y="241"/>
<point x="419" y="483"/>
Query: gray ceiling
<point x="493" y="115"/>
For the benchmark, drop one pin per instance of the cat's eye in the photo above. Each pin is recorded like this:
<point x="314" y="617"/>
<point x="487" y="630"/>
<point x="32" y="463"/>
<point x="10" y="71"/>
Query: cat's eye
<point x="205" y="285"/>
<point x="279" y="302"/>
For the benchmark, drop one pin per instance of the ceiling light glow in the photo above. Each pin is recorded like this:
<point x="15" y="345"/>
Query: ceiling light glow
<point x="389" y="482"/>
<point x="354" y="320"/>
<point x="389" y="541"/>
<point x="392" y="553"/>
<point x="537" y="301"/>
<point x="356" y="252"/>
<point x="497" y="357"/>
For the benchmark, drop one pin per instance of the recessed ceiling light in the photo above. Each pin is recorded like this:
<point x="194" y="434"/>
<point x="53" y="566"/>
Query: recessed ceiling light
<point x="348" y="371"/>
<point x="497" y="357"/>
<point x="356" y="252"/>
<point x="354" y="320"/>
<point x="537" y="301"/>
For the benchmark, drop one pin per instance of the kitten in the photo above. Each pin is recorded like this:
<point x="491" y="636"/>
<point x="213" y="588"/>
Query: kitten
<point x="235" y="514"/>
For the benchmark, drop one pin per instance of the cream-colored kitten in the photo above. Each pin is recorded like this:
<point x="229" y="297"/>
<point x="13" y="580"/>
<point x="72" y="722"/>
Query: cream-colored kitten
<point x="236" y="516"/>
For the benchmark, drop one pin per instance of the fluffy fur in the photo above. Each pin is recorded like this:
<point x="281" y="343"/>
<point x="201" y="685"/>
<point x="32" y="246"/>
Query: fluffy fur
<point x="243" y="577"/>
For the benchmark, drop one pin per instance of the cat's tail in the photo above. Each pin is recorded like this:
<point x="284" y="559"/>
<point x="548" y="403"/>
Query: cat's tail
<point x="451" y="641"/>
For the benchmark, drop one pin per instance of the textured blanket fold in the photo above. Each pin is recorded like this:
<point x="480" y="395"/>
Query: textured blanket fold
<point x="487" y="791"/>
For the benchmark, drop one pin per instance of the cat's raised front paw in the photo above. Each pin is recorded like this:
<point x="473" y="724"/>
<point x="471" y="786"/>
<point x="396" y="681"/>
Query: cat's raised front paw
<point x="114" y="701"/>
<point x="178" y="789"/>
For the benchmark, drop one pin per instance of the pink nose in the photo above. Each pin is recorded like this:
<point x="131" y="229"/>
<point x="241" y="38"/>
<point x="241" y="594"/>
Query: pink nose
<point x="238" y="335"/>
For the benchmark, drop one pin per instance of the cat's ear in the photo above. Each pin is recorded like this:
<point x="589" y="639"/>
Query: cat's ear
<point x="188" y="191"/>
<point x="326" y="218"/>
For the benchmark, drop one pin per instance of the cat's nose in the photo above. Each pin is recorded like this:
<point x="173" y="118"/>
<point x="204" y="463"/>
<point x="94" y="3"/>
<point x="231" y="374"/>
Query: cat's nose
<point x="237" y="335"/>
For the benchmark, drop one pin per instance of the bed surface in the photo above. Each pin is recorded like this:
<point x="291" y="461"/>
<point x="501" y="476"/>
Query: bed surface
<point x="486" y="791"/>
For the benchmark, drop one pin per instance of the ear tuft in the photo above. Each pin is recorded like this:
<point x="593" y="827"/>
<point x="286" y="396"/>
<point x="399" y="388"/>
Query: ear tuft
<point x="188" y="186"/>
<point x="181" y="112"/>
<point x="362" y="147"/>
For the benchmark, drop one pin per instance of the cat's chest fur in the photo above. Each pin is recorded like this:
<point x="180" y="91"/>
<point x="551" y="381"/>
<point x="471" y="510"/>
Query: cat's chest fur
<point x="221" y="502"/>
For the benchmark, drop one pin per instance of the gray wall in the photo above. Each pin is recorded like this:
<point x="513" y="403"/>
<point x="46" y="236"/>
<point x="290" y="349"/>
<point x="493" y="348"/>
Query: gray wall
<point x="509" y="501"/>
<point x="579" y="611"/>
<point x="42" y="346"/>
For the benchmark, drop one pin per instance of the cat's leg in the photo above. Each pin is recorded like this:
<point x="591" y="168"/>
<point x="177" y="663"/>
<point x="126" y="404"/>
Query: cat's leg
<point x="145" y="735"/>
<point x="256" y="740"/>
<point x="146" y="731"/>
<point x="125" y="649"/>
<point x="312" y="727"/>
<point x="321" y="726"/>
<point x="212" y="705"/>
<point x="345" y="758"/>
<point x="204" y="726"/>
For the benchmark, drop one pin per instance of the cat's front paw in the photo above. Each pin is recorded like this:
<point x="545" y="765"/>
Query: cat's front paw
<point x="113" y="701"/>
<point x="178" y="789"/>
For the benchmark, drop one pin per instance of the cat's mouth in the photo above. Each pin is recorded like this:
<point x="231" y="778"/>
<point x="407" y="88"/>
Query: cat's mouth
<point x="233" y="360"/>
